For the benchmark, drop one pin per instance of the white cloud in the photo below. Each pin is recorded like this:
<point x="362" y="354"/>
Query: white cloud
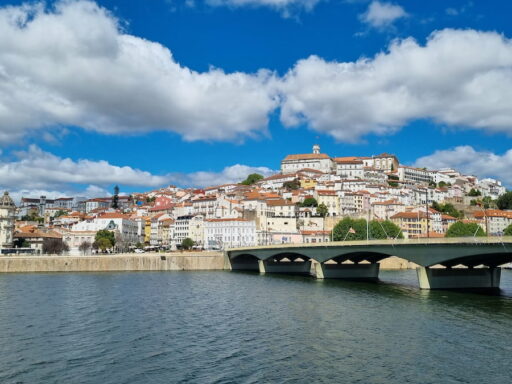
<point x="459" y="78"/>
<point x="36" y="172"/>
<point x="286" y="7"/>
<point x="469" y="161"/>
<point x="91" y="191"/>
<point x="73" y="65"/>
<point x="37" y="169"/>
<point x="232" y="174"/>
<point x="381" y="15"/>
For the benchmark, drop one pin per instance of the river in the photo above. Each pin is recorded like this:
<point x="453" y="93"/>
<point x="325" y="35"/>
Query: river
<point x="227" y="327"/>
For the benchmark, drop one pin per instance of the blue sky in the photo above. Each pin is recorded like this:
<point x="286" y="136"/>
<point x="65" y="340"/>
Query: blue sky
<point x="143" y="93"/>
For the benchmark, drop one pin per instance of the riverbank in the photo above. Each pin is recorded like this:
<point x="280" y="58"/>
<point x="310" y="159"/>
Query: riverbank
<point x="186" y="261"/>
<point x="175" y="261"/>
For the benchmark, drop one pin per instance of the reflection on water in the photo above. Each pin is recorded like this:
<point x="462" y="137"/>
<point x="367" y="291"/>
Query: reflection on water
<point x="240" y="327"/>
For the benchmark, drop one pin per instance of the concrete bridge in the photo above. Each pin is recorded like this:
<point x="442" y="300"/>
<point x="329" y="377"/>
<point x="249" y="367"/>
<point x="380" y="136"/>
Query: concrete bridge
<point x="447" y="263"/>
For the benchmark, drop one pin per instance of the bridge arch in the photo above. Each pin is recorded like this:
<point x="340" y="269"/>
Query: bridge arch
<point x="358" y="257"/>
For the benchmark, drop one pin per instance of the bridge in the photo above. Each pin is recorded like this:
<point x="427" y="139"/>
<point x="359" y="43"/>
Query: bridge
<point x="446" y="263"/>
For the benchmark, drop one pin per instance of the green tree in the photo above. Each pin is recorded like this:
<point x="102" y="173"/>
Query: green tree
<point x="474" y="192"/>
<point x="448" y="209"/>
<point x="442" y="184"/>
<point x="105" y="234"/>
<point x="344" y="228"/>
<point x="187" y="243"/>
<point x="460" y="229"/>
<point x="252" y="178"/>
<point x="102" y="243"/>
<point x="392" y="230"/>
<point x="505" y="201"/>
<point x="377" y="230"/>
<point x="508" y="231"/>
<point x="310" y="202"/>
<point x="60" y="213"/>
<point x="115" y="198"/>
<point x="322" y="210"/>
<point x="292" y="185"/>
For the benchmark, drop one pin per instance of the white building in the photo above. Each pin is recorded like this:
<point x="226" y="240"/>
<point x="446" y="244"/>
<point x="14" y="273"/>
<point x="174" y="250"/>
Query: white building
<point x="229" y="233"/>
<point x="349" y="167"/>
<point x="316" y="160"/>
<point x="7" y="217"/>
<point x="112" y="221"/>
<point x="416" y="175"/>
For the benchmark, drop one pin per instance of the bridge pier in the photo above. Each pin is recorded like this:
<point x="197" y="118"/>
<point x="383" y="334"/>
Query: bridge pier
<point x="459" y="278"/>
<point x="289" y="267"/>
<point x="347" y="271"/>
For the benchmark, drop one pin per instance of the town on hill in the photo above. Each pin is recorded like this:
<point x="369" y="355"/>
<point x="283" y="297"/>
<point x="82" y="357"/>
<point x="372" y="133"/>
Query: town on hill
<point x="315" y="198"/>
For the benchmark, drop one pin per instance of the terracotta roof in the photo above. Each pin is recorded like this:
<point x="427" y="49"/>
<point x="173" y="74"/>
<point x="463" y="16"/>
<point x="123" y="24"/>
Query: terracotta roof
<point x="348" y="160"/>
<point x="222" y="220"/>
<point x="113" y="215"/>
<point x="493" y="213"/>
<point x="307" y="156"/>
<point x="409" y="215"/>
<point x="387" y="202"/>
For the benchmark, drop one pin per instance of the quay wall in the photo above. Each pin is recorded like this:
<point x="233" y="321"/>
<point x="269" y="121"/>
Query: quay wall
<point x="187" y="261"/>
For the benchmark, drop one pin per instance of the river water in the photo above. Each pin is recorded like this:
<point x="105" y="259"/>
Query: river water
<point x="227" y="327"/>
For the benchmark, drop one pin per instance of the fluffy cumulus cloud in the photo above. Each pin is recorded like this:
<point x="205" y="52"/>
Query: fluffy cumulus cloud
<point x="35" y="172"/>
<point x="470" y="161"/>
<point x="71" y="65"/>
<point x="36" y="169"/>
<point x="232" y="174"/>
<point x="458" y="78"/>
<point x="382" y="15"/>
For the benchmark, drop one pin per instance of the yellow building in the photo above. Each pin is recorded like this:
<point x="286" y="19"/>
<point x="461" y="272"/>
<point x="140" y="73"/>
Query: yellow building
<point x="147" y="230"/>
<point x="308" y="183"/>
<point x="412" y="224"/>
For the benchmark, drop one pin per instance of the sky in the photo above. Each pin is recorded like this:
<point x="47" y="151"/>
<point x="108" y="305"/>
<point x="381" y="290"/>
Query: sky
<point x="147" y="93"/>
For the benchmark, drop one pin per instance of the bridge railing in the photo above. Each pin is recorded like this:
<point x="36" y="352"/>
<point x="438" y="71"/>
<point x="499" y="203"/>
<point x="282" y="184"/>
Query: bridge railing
<point x="505" y="240"/>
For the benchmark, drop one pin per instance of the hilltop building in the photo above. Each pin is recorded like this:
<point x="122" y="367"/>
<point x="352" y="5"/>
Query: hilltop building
<point x="7" y="217"/>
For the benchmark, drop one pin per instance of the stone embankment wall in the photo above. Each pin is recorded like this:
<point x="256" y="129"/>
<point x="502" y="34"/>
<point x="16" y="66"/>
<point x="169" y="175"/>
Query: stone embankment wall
<point x="199" y="261"/>
<point x="187" y="261"/>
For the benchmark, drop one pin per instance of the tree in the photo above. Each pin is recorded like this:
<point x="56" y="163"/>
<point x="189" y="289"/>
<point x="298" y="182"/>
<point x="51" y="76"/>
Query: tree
<point x="107" y="235"/>
<point x="291" y="185"/>
<point x="115" y="198"/>
<point x="21" y="243"/>
<point x="54" y="246"/>
<point x="252" y="178"/>
<point x="85" y="246"/>
<point x="102" y="243"/>
<point x="508" y="231"/>
<point x="377" y="230"/>
<point x="60" y="213"/>
<point x="322" y="210"/>
<point x="187" y="243"/>
<point x="310" y="202"/>
<point x="474" y="192"/>
<point x="505" y="201"/>
<point x="432" y="184"/>
<point x="442" y="184"/>
<point x="392" y="230"/>
<point x="349" y="229"/>
<point x="448" y="209"/>
<point x="460" y="229"/>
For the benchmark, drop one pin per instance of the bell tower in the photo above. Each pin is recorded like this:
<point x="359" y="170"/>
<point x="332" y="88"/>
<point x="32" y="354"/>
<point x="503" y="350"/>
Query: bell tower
<point x="316" y="149"/>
